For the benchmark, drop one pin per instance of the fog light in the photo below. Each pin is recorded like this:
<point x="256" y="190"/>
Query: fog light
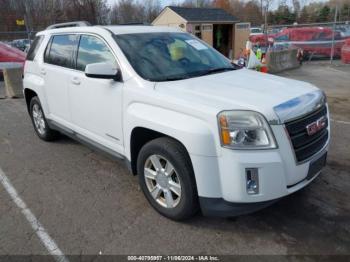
<point x="252" y="181"/>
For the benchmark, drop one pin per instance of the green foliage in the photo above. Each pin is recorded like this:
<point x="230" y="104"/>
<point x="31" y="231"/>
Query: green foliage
<point x="282" y="15"/>
<point x="324" y="14"/>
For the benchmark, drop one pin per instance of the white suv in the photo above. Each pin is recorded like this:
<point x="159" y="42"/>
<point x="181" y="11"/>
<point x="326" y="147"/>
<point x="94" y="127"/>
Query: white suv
<point x="199" y="132"/>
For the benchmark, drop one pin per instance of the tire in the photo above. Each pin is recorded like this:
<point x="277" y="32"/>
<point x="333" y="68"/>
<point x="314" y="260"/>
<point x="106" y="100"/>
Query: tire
<point x="40" y="124"/>
<point x="175" y="171"/>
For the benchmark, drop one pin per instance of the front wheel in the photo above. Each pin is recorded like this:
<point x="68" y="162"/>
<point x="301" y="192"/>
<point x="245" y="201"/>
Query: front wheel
<point x="166" y="178"/>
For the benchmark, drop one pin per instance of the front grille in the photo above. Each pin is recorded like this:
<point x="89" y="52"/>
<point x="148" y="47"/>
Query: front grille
<point x="305" y="145"/>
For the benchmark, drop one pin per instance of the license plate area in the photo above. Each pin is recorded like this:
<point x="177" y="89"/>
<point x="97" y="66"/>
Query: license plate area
<point x="316" y="166"/>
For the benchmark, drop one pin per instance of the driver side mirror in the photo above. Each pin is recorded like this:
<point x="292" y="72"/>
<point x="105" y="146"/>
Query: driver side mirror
<point x="103" y="71"/>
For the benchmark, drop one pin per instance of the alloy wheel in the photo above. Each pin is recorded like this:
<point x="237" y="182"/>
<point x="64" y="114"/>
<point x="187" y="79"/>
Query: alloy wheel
<point x="162" y="181"/>
<point x="38" y="118"/>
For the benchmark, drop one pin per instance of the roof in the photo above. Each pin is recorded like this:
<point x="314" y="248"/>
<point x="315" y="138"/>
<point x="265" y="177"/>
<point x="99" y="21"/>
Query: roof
<point x="115" y="29"/>
<point x="134" y="29"/>
<point x="192" y="14"/>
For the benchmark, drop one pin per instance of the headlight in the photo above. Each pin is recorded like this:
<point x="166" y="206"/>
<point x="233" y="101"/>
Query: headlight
<point x="245" y="130"/>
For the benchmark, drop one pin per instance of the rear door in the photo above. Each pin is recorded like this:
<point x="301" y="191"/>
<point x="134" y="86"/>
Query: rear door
<point x="96" y="104"/>
<point x="58" y="62"/>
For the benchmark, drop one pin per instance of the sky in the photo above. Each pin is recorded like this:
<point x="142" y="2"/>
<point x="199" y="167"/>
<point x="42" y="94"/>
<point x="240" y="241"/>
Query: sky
<point x="163" y="2"/>
<point x="170" y="2"/>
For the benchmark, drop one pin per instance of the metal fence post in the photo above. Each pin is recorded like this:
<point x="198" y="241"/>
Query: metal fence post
<point x="333" y="37"/>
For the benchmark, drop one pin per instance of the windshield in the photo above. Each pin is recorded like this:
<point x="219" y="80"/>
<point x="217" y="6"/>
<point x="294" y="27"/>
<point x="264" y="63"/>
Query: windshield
<point x="171" y="56"/>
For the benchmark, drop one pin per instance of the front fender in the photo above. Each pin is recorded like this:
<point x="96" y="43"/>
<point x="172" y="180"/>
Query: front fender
<point x="194" y="133"/>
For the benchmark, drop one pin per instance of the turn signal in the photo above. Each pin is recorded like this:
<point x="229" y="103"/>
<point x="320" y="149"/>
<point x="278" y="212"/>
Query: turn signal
<point x="225" y="132"/>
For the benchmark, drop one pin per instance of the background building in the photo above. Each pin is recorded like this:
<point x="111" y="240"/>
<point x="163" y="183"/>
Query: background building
<point x="213" y="25"/>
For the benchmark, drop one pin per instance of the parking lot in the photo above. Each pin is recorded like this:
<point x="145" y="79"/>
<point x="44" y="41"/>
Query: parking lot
<point x="90" y="204"/>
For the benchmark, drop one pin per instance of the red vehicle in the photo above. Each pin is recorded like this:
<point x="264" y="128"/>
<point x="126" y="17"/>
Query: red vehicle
<point x="10" y="54"/>
<point x="313" y="40"/>
<point x="345" y="52"/>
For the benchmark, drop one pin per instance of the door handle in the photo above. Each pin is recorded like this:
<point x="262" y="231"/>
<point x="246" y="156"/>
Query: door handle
<point x="75" y="81"/>
<point x="42" y="71"/>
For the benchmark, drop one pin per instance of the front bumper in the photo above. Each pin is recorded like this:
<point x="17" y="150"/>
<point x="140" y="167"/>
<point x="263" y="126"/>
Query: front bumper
<point x="221" y="181"/>
<point x="218" y="207"/>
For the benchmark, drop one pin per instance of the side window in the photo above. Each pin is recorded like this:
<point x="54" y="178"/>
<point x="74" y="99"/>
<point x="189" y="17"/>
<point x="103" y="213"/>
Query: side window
<point x="34" y="47"/>
<point x="93" y="50"/>
<point x="61" y="51"/>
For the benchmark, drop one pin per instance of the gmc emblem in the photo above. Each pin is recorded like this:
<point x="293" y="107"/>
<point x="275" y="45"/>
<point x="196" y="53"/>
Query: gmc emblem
<point x="316" y="126"/>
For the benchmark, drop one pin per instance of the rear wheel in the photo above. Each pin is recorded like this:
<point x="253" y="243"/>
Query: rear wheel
<point x="39" y="121"/>
<point x="166" y="178"/>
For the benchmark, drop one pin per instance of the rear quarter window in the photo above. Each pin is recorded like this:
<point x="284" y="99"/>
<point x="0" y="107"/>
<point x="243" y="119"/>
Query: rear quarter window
<point x="34" y="48"/>
<point x="60" y="50"/>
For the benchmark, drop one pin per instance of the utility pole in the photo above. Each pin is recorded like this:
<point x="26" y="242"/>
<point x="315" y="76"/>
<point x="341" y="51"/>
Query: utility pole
<point x="265" y="25"/>
<point x="334" y="27"/>
<point x="27" y="19"/>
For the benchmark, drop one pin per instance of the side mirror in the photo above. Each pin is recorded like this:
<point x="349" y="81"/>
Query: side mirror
<point x="103" y="71"/>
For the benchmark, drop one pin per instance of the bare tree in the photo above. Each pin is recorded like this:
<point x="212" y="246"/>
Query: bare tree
<point x="197" y="3"/>
<point x="297" y="7"/>
<point x="126" y="11"/>
<point x="151" y="9"/>
<point x="131" y="11"/>
<point x="93" y="11"/>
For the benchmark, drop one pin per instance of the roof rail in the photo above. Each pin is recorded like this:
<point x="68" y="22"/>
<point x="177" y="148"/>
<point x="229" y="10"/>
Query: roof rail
<point x="69" y="24"/>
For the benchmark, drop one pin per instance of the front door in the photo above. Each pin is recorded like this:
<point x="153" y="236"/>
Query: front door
<point x="96" y="104"/>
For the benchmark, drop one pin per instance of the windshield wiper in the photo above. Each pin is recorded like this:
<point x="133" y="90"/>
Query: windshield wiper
<point x="216" y="70"/>
<point x="196" y="74"/>
<point x="174" y="78"/>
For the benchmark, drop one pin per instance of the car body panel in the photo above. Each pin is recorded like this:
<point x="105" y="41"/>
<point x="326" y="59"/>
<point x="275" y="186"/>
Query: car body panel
<point x="242" y="89"/>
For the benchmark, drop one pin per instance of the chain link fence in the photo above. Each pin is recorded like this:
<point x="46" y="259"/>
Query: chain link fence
<point x="317" y="41"/>
<point x="18" y="39"/>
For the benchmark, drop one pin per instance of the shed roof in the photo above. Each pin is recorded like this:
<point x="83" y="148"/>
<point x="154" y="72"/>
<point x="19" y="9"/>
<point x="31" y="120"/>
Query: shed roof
<point x="192" y="14"/>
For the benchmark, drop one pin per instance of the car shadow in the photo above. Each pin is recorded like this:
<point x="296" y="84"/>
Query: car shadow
<point x="302" y="221"/>
<point x="65" y="140"/>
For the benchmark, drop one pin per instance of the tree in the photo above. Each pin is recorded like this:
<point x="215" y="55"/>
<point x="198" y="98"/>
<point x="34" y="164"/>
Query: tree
<point x="296" y="8"/>
<point x="197" y="3"/>
<point x="224" y="4"/>
<point x="324" y="14"/>
<point x="283" y="15"/>
<point x="93" y="11"/>
<point x="126" y="11"/>
<point x="252" y="13"/>
<point x="304" y="15"/>
<point x="131" y="11"/>
<point x="152" y="8"/>
<point x="345" y="12"/>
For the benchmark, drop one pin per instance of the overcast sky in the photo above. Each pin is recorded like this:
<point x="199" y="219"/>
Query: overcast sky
<point x="170" y="2"/>
<point x="163" y="2"/>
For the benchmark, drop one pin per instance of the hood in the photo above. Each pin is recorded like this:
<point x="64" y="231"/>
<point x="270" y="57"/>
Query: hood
<point x="240" y="89"/>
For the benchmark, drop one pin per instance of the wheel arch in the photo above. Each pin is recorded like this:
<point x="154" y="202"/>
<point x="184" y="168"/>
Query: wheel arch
<point x="141" y="136"/>
<point x="144" y="122"/>
<point x="28" y="95"/>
